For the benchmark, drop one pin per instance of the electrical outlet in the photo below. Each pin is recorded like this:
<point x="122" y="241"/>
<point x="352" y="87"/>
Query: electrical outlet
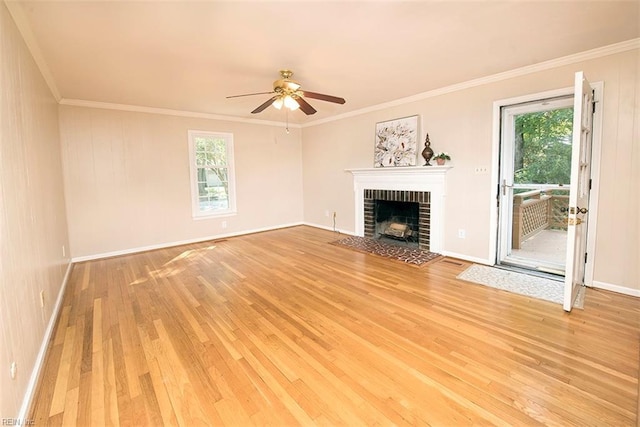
<point x="326" y="213"/>
<point x="224" y="224"/>
<point x="462" y="233"/>
<point x="42" y="299"/>
<point x="13" y="370"/>
<point x="481" y="170"/>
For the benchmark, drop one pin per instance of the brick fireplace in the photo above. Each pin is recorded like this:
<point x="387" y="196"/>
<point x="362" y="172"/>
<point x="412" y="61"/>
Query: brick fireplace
<point x="424" y="184"/>
<point x="421" y="198"/>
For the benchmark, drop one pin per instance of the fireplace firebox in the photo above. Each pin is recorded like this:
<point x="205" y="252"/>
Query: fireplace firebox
<point x="397" y="221"/>
<point x="399" y="216"/>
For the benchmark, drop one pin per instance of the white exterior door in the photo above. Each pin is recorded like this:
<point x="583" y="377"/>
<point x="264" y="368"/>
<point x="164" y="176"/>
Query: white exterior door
<point x="579" y="192"/>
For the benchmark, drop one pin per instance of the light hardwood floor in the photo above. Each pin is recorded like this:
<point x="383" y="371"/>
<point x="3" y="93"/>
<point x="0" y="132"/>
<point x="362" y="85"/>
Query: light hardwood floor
<point x="283" y="328"/>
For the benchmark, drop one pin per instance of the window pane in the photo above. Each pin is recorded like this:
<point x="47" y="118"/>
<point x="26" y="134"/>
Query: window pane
<point x="211" y="152"/>
<point x="211" y="204"/>
<point x="217" y="145"/>
<point x="543" y="147"/>
<point x="213" y="188"/>
<point x="201" y="143"/>
<point x="223" y="174"/>
<point x="207" y="158"/>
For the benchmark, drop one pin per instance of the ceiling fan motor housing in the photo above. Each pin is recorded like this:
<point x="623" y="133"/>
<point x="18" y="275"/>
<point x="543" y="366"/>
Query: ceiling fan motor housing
<point x="285" y="85"/>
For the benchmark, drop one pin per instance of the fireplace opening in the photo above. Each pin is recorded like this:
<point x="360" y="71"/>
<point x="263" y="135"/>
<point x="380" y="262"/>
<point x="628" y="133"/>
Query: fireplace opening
<point x="397" y="221"/>
<point x="406" y="210"/>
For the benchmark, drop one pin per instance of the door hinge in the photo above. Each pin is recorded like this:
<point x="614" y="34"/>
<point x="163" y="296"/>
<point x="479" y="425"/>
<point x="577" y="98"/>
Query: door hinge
<point x="590" y="181"/>
<point x="585" y="257"/>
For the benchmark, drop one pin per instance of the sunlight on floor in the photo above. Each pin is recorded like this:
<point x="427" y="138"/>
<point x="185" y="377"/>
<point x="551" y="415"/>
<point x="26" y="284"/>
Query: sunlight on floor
<point x="168" y="270"/>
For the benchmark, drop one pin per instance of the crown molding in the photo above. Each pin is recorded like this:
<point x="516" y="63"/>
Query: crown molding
<point x="169" y="112"/>
<point x="17" y="13"/>
<point x="517" y="72"/>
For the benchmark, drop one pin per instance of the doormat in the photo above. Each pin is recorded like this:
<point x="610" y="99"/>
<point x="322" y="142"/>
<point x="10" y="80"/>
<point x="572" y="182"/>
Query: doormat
<point x="520" y="283"/>
<point x="371" y="246"/>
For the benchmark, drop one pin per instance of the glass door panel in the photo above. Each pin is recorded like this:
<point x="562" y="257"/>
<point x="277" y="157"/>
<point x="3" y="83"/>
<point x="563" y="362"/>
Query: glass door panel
<point x="535" y="179"/>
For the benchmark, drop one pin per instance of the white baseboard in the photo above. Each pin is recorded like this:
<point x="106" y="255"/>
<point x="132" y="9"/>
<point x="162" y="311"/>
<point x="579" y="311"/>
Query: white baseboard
<point x="616" y="288"/>
<point x="178" y="243"/>
<point x="35" y="373"/>
<point x="467" y="258"/>
<point x="324" y="227"/>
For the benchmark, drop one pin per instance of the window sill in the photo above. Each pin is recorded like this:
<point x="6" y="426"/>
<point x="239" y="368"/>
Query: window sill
<point x="214" y="215"/>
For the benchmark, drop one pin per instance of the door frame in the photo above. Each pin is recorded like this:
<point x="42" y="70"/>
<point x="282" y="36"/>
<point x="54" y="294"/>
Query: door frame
<point x="592" y="219"/>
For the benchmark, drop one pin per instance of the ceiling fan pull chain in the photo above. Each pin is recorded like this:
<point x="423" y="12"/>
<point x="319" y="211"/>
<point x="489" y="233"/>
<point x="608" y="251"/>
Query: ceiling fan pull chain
<point x="286" y="114"/>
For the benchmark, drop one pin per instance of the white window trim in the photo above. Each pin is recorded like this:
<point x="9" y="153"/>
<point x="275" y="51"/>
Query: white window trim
<point x="193" y="176"/>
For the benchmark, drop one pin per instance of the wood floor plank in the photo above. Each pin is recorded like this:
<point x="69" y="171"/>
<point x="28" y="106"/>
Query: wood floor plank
<point x="71" y="407"/>
<point x="157" y="391"/>
<point x="60" y="391"/>
<point x="284" y="328"/>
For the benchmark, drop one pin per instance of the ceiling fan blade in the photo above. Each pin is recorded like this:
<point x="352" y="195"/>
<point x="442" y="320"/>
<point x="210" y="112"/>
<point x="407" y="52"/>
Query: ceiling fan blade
<point x="322" y="97"/>
<point x="250" y="94"/>
<point x="305" y="106"/>
<point x="263" y="106"/>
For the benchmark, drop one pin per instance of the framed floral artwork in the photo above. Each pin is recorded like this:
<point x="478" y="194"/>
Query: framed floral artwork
<point x="396" y="142"/>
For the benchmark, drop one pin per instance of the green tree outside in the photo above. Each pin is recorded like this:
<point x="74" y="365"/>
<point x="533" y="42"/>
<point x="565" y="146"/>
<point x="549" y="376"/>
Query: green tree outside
<point x="543" y="147"/>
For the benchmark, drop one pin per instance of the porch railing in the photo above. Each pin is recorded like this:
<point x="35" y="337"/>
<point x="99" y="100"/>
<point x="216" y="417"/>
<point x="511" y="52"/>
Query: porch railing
<point x="537" y="210"/>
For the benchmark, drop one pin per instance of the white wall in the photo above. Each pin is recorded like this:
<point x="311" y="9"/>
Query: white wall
<point x="32" y="213"/>
<point x="460" y="122"/>
<point x="127" y="179"/>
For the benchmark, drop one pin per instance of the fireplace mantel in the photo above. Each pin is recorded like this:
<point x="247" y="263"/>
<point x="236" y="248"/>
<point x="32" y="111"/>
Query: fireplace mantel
<point x="412" y="178"/>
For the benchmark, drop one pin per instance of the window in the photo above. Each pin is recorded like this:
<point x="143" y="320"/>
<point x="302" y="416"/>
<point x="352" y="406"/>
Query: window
<point x="212" y="175"/>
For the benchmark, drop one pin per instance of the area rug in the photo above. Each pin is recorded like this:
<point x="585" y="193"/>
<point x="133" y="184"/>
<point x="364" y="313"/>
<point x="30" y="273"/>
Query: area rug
<point x="404" y="254"/>
<point x="519" y="283"/>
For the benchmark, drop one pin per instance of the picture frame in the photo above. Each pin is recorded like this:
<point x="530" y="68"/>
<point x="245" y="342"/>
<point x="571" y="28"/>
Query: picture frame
<point x="396" y="142"/>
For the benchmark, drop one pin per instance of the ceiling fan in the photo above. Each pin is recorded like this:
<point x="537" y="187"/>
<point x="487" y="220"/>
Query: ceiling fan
<point x="288" y="93"/>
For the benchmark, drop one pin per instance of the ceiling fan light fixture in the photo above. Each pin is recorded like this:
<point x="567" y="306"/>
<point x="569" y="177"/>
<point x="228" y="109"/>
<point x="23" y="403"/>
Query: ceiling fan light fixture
<point x="278" y="103"/>
<point x="291" y="103"/>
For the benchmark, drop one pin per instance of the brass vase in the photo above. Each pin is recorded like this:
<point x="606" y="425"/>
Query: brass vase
<point x="427" y="153"/>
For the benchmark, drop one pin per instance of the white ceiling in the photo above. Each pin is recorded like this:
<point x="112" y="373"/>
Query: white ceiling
<point x="188" y="55"/>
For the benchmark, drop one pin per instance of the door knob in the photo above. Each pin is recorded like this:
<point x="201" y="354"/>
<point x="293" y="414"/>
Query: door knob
<point x="578" y="210"/>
